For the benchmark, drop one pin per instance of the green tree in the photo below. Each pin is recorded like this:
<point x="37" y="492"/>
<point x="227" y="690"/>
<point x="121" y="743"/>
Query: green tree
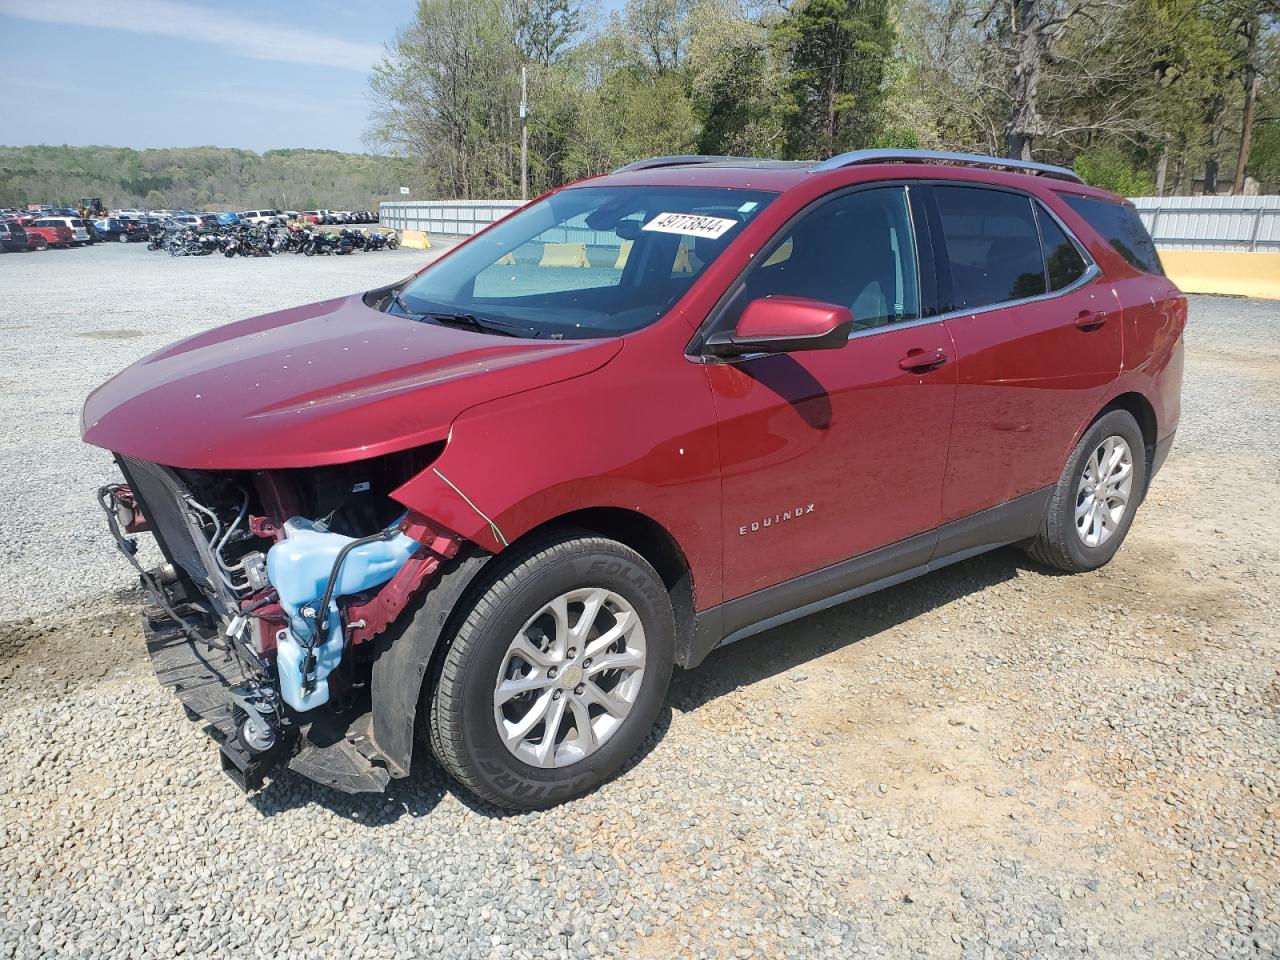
<point x="835" y="82"/>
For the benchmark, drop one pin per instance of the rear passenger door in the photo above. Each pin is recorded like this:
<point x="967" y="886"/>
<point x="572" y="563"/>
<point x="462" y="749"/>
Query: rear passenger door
<point x="1037" y="335"/>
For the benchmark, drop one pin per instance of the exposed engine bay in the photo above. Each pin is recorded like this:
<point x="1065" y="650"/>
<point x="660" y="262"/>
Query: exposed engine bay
<point x="275" y="584"/>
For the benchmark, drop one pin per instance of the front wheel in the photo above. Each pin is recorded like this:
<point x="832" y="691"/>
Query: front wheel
<point x="556" y="675"/>
<point x="1092" y="505"/>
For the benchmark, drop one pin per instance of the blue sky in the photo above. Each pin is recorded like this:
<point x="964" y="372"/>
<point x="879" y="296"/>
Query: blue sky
<point x="176" y="73"/>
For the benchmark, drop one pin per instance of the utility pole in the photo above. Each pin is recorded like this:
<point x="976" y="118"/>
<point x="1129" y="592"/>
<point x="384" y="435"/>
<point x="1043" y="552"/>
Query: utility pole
<point x="524" y="135"/>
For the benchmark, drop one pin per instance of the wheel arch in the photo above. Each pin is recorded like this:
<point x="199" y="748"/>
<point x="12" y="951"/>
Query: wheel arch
<point x="645" y="536"/>
<point x="1141" y="409"/>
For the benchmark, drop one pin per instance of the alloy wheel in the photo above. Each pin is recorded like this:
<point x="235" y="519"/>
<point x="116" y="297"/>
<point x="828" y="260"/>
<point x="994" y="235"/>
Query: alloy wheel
<point x="1104" y="492"/>
<point x="570" y="677"/>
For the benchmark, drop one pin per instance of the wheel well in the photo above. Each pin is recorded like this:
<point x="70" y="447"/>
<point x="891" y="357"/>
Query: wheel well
<point x="1142" y="411"/>
<point x="648" y="538"/>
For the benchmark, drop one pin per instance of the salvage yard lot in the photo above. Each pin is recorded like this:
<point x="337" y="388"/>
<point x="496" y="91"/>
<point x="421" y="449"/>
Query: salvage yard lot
<point x="994" y="760"/>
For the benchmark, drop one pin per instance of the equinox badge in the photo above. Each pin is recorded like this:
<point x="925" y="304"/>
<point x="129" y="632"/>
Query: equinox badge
<point x="755" y="525"/>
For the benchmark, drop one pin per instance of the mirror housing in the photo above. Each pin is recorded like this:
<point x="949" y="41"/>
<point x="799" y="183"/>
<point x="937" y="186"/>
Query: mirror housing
<point x="783" y="325"/>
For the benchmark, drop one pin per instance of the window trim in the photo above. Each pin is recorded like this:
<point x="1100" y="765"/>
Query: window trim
<point x="1092" y="270"/>
<point x="694" y="349"/>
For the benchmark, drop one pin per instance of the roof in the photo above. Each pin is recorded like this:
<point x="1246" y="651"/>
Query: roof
<point x="780" y="175"/>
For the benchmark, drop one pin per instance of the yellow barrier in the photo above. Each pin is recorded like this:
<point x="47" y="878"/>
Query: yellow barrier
<point x="682" y="264"/>
<point x="508" y="259"/>
<point x="564" y="255"/>
<point x="414" y="239"/>
<point x="1217" y="271"/>
<point x="624" y="251"/>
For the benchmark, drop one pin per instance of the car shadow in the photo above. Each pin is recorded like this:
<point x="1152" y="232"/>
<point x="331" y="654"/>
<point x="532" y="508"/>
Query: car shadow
<point x="414" y="796"/>
<point x="727" y="669"/>
<point x="783" y="648"/>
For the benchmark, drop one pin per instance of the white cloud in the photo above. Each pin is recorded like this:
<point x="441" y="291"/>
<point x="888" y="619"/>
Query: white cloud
<point x="261" y="40"/>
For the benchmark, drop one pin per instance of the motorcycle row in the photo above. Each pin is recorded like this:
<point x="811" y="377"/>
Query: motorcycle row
<point x="263" y="241"/>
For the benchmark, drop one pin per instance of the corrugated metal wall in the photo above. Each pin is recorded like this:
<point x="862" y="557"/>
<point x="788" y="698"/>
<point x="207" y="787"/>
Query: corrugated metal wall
<point x="1181" y="223"/>
<point x="1212" y="223"/>
<point x="450" y="218"/>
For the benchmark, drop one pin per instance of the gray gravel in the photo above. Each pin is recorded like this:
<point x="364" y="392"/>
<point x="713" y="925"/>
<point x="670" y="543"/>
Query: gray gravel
<point x="990" y="762"/>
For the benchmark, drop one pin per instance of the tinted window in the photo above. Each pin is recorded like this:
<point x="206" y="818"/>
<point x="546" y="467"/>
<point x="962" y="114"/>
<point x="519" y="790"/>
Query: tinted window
<point x="855" y="251"/>
<point x="992" y="244"/>
<point x="1121" y="227"/>
<point x="1063" y="260"/>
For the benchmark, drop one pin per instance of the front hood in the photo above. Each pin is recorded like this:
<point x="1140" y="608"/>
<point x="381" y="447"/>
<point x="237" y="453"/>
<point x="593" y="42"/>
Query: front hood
<point x="326" y="383"/>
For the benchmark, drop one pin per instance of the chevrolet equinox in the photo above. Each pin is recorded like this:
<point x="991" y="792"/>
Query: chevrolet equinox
<point x="486" y="509"/>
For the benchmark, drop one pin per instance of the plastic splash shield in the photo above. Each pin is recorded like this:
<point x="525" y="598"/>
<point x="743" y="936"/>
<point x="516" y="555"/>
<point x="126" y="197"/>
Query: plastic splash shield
<point x="299" y="567"/>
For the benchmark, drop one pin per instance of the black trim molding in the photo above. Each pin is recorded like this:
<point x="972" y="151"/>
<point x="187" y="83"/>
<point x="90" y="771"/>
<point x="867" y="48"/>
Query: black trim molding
<point x="1018" y="519"/>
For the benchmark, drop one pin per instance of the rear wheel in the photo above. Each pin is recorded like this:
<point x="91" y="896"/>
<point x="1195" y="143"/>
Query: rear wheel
<point x="1094" y="501"/>
<point x="556" y="675"/>
<point x="123" y="238"/>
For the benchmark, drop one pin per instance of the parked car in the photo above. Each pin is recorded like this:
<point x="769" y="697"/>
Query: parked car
<point x="36" y="241"/>
<point x="13" y="236"/>
<point x="120" y="229"/>
<point x="228" y="219"/>
<point x="543" y="472"/>
<point x="268" y="217"/>
<point x="56" y="231"/>
<point x="81" y="232"/>
<point x="130" y="214"/>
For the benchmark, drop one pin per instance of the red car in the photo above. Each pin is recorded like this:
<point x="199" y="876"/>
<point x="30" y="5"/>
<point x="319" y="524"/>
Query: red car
<point x="56" y="233"/>
<point x="489" y="507"/>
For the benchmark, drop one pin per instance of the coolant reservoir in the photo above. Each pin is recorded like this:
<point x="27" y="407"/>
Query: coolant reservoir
<point x="299" y="567"/>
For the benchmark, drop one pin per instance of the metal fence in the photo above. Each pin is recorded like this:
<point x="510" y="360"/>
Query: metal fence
<point x="450" y="218"/>
<point x="1212" y="223"/>
<point x="1182" y="223"/>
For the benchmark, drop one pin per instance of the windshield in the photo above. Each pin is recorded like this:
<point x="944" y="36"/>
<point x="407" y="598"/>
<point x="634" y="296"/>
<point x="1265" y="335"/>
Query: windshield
<point x="585" y="262"/>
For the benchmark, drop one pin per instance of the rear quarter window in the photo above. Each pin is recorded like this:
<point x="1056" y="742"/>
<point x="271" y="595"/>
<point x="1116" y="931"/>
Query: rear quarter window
<point x="1120" y="225"/>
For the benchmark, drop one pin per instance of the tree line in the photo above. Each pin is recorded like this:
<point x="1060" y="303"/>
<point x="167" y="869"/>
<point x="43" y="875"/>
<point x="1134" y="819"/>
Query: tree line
<point x="1139" y="96"/>
<point x="197" y="178"/>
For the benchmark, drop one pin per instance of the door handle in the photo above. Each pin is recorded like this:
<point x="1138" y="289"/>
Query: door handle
<point x="921" y="361"/>
<point x="1089" y="320"/>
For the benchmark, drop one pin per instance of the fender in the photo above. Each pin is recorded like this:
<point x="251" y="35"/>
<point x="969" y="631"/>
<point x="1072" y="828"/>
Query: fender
<point x="404" y="656"/>
<point x="635" y="434"/>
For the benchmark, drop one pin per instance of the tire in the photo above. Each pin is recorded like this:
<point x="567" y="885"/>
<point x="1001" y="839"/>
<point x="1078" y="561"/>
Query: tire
<point x="459" y="716"/>
<point x="1061" y="542"/>
<point x="123" y="238"/>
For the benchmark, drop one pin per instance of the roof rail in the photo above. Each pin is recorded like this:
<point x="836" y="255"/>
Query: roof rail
<point x="676" y="161"/>
<point x="940" y="156"/>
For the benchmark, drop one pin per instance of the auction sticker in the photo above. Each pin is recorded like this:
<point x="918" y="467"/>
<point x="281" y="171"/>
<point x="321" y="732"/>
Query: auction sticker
<point x="690" y="225"/>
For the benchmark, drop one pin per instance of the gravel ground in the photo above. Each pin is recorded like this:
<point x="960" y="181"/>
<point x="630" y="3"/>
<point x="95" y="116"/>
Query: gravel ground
<point x="993" y="761"/>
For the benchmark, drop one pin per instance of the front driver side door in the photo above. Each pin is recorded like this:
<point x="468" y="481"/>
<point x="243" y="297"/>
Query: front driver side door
<point x="829" y="454"/>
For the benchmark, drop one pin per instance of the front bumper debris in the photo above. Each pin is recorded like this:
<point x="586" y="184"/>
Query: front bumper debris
<point x="336" y="751"/>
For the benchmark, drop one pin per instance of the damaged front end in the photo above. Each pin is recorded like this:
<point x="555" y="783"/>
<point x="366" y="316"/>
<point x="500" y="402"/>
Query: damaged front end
<point x="275" y="586"/>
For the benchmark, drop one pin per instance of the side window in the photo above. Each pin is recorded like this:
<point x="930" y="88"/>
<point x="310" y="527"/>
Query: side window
<point x="856" y="251"/>
<point x="992" y="246"/>
<point x="1121" y="227"/>
<point x="1063" y="261"/>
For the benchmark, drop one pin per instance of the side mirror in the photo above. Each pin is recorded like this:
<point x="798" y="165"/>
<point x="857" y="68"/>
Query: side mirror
<point x="783" y="325"/>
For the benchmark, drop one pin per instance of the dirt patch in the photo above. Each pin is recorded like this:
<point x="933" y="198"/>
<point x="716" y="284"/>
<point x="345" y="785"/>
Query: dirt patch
<point x="111" y="334"/>
<point x="70" y="651"/>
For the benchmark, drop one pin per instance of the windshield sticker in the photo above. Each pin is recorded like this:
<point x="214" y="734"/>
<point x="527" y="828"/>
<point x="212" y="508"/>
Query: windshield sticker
<point x="690" y="225"/>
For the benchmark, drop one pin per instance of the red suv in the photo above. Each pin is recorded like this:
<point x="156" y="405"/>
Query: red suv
<point x="488" y="508"/>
